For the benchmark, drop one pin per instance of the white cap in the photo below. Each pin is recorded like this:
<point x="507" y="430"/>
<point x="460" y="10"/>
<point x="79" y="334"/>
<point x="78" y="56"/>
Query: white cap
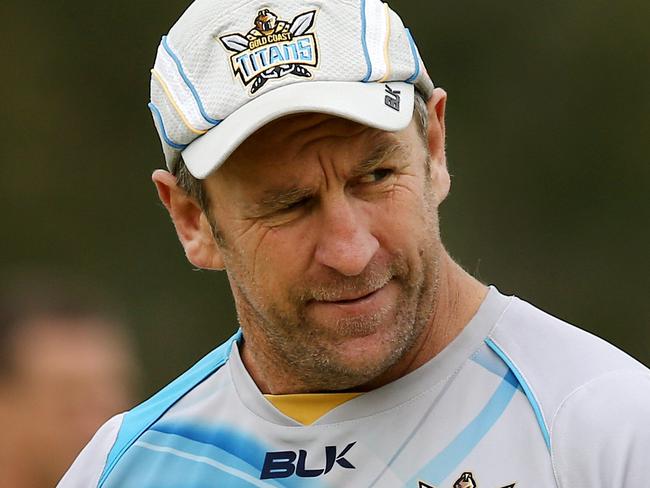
<point x="229" y="67"/>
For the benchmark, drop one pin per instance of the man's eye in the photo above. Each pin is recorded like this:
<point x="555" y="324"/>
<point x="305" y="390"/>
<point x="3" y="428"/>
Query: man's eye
<point x="376" y="176"/>
<point x="295" y="205"/>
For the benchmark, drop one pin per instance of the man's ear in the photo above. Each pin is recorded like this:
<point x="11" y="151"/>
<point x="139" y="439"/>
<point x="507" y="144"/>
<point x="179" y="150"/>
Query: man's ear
<point x="192" y="225"/>
<point x="436" y="138"/>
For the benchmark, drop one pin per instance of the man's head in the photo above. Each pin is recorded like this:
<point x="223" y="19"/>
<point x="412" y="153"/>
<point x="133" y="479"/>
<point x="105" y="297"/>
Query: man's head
<point x="66" y="366"/>
<point x="328" y="231"/>
<point x="325" y="219"/>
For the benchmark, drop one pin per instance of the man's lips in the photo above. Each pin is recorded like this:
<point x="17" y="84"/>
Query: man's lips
<point x="356" y="303"/>
<point x="351" y="297"/>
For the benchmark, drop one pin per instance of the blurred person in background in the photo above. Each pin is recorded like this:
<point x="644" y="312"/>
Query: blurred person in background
<point x="66" y="365"/>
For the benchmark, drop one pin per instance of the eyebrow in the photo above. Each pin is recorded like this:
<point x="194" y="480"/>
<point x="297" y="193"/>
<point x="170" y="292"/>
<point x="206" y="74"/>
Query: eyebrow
<point x="279" y="198"/>
<point x="275" y="199"/>
<point x="387" y="148"/>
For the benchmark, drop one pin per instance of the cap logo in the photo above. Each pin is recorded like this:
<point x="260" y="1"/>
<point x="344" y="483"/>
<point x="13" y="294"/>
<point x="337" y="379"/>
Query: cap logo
<point x="392" y="98"/>
<point x="273" y="49"/>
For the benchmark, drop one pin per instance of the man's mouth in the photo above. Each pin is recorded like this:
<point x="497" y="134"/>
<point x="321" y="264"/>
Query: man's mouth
<point x="352" y="295"/>
<point x="352" y="298"/>
<point x="356" y="313"/>
<point x="356" y="302"/>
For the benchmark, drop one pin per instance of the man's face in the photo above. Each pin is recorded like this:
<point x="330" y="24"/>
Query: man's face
<point x="329" y="234"/>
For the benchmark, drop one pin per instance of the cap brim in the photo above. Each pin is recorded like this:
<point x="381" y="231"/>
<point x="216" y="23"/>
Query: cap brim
<point x="385" y="106"/>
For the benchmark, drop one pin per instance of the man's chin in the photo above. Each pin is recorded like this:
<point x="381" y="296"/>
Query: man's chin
<point x="356" y="361"/>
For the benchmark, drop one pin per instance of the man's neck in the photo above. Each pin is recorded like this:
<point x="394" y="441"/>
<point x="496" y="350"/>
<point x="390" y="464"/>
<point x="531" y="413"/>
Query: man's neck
<point x="459" y="297"/>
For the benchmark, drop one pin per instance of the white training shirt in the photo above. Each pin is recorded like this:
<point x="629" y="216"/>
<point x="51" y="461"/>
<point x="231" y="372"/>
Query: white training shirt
<point x="518" y="399"/>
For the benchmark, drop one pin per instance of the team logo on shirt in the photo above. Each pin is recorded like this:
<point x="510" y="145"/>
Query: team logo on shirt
<point x="273" y="49"/>
<point x="466" y="480"/>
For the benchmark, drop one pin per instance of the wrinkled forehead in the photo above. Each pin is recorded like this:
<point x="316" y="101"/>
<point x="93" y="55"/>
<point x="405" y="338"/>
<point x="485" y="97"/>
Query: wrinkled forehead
<point x="287" y="147"/>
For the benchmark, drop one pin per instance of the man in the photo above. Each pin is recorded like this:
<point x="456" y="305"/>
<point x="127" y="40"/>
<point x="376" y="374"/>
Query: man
<point x="306" y="147"/>
<point x="66" y="366"/>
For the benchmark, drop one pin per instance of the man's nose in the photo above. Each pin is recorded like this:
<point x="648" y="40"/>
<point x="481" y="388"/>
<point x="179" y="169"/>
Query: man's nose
<point x="345" y="242"/>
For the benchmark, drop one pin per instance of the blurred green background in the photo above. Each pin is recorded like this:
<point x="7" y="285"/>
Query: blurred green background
<point x="548" y="144"/>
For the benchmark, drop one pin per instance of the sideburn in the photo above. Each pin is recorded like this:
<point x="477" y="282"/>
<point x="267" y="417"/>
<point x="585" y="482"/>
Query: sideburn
<point x="217" y="233"/>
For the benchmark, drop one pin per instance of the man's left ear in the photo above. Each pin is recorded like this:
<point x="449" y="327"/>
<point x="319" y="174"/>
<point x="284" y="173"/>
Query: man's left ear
<point x="436" y="137"/>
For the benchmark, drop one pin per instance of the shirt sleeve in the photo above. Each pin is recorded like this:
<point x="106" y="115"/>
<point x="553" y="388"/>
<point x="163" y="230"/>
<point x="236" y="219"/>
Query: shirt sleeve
<point x="601" y="433"/>
<point x="89" y="465"/>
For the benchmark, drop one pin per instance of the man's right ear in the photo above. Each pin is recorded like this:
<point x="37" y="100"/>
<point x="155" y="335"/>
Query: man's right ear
<point x="191" y="223"/>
